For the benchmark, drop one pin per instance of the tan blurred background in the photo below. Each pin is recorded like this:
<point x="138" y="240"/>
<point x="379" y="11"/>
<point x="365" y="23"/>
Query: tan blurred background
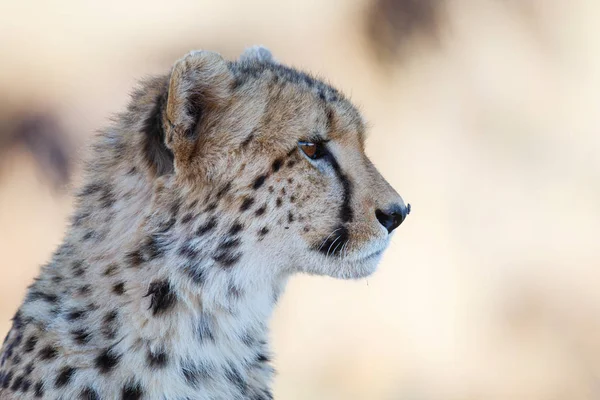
<point x="484" y="115"/>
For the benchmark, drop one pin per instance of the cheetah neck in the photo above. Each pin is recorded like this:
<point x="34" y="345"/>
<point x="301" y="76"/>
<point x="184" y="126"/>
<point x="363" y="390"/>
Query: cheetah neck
<point x="183" y="283"/>
<point x="151" y="275"/>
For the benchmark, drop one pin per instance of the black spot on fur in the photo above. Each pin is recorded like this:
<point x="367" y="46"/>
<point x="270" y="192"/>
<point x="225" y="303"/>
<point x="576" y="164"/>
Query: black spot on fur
<point x="48" y="353"/>
<point x="74" y="315"/>
<point x="277" y="164"/>
<point x="175" y="207"/>
<point x="292" y="199"/>
<point x="194" y="373"/>
<point x="162" y="296"/>
<point x="25" y="385"/>
<point x="263" y="231"/>
<point x="89" y="394"/>
<point x="78" y="268"/>
<point x="223" y="191"/>
<point x="107" y="360"/>
<point x="91" y="188"/>
<point x="37" y="295"/>
<point x="111" y="269"/>
<point x="119" y="288"/>
<point x="30" y="344"/>
<point x="109" y="324"/>
<point x="290" y="217"/>
<point x="152" y="248"/>
<point x="279" y="202"/>
<point x="235" y="228"/>
<point x="135" y="259"/>
<point x="260" y="211"/>
<point x="64" y="376"/>
<point x="88" y="235"/>
<point x="79" y="217"/>
<point x="28" y="369"/>
<point x="259" y="182"/>
<point x="263" y="358"/>
<point x="291" y="163"/>
<point x="157" y="155"/>
<point x="247" y="203"/>
<point x="157" y="359"/>
<point x="211" y="207"/>
<point x="234" y="291"/>
<point x="292" y="151"/>
<point x="107" y="198"/>
<point x="166" y="226"/>
<point x="235" y="378"/>
<point x="227" y="259"/>
<point x="188" y="250"/>
<point x="16" y="385"/>
<point x="204" y="328"/>
<point x="39" y="389"/>
<point x="81" y="336"/>
<point x="247" y="141"/>
<point x="132" y="391"/>
<point x="84" y="290"/>
<point x="263" y="395"/>
<point x="207" y="226"/>
<point x="195" y="272"/>
<point x="249" y="340"/>
<point x="187" y="218"/>
<point x="229" y="244"/>
<point x="7" y="378"/>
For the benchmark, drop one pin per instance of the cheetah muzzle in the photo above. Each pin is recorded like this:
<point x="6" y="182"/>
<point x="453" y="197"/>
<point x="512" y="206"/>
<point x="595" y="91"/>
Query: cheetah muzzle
<point x="219" y="181"/>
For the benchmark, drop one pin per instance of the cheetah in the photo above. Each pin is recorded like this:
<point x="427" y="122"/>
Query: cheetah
<point x="220" y="181"/>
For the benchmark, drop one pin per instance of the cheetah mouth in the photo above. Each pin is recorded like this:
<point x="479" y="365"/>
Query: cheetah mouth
<point x="369" y="256"/>
<point x="372" y="255"/>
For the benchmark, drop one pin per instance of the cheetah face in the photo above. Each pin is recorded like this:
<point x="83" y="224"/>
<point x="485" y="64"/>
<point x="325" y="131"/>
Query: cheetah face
<point x="289" y="149"/>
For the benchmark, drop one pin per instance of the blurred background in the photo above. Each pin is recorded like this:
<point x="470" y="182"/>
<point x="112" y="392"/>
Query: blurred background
<point x="484" y="115"/>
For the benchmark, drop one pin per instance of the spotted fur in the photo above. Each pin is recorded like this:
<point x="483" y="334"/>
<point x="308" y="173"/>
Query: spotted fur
<point x="198" y="205"/>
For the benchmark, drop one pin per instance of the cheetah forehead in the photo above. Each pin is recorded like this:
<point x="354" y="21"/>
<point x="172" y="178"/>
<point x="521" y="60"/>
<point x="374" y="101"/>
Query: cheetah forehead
<point x="257" y="53"/>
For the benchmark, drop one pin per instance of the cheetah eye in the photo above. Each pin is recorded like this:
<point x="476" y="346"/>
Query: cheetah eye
<point x="313" y="150"/>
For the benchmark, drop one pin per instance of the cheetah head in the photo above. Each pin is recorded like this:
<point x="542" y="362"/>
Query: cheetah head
<point x="280" y="155"/>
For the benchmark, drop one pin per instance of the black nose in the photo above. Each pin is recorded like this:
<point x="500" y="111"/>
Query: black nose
<point x="393" y="217"/>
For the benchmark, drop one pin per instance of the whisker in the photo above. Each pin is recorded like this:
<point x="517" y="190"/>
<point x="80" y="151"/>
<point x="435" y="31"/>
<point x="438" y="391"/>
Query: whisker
<point x="327" y="238"/>
<point x="336" y="247"/>
<point x="332" y="243"/>
<point x="342" y="256"/>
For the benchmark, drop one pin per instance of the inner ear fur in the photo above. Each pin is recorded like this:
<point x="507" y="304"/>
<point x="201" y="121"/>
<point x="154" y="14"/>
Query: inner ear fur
<point x="200" y="83"/>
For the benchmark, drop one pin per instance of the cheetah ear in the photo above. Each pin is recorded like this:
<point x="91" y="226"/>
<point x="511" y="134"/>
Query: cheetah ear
<point x="257" y="53"/>
<point x="199" y="85"/>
